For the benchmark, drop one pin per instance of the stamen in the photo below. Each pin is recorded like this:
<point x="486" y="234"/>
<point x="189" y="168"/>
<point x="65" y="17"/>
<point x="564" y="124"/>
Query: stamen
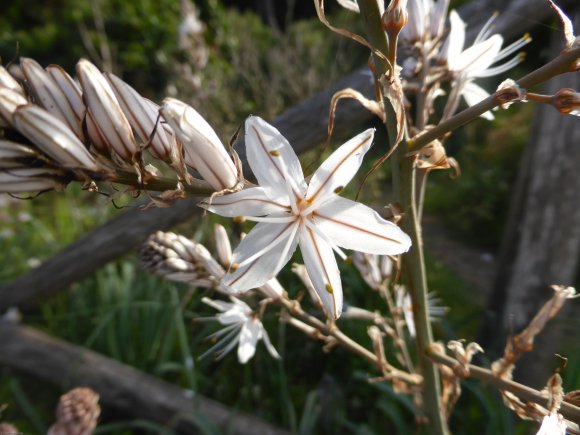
<point x="485" y="31"/>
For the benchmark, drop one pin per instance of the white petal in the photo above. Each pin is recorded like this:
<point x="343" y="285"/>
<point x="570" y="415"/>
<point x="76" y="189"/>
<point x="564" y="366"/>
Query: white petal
<point x="353" y="225"/>
<point x="269" y="345"/>
<point x="275" y="243"/>
<point x="338" y="169"/>
<point x="272" y="159"/>
<point x="322" y="270"/>
<point x="567" y="23"/>
<point x="248" y="202"/>
<point x="249" y="336"/>
<point x="351" y="5"/>
<point x="473" y="94"/>
<point x="438" y="15"/>
<point x="480" y="56"/>
<point x="453" y="47"/>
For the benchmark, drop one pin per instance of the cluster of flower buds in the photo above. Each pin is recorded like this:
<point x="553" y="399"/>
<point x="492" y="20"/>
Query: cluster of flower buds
<point x="177" y="258"/>
<point x="77" y="413"/>
<point x="55" y="129"/>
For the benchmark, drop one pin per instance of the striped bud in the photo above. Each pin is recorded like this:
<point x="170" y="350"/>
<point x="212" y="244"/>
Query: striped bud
<point x="53" y="137"/>
<point x="395" y="17"/>
<point x="14" y="155"/>
<point x="222" y="245"/>
<point x="7" y="81"/>
<point x="49" y="95"/>
<point x="203" y="149"/>
<point x="107" y="114"/>
<point x="19" y="180"/>
<point x="70" y="89"/>
<point x="143" y="116"/>
<point x="9" y="101"/>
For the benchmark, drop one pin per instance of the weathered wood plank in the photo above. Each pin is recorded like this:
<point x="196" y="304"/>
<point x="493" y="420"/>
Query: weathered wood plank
<point x="121" y="387"/>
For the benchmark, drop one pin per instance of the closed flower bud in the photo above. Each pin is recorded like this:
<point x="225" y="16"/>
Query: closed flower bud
<point x="9" y="101"/>
<point x="19" y="180"/>
<point x="7" y="81"/>
<point x="106" y="112"/>
<point x="395" y="17"/>
<point x="143" y="115"/>
<point x="222" y="244"/>
<point x="202" y="147"/>
<point x="567" y="101"/>
<point x="77" y="413"/>
<point x="71" y="90"/>
<point x="53" y="137"/>
<point x="48" y="94"/>
<point x="15" y="155"/>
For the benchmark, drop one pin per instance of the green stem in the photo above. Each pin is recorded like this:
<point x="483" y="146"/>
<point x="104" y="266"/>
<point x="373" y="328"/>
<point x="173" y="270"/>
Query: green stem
<point x="404" y="188"/>
<point x="155" y="184"/>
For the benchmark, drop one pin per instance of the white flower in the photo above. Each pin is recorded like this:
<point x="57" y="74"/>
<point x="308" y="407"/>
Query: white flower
<point x="243" y="329"/>
<point x="552" y="424"/>
<point x="290" y="211"/>
<point x="475" y="61"/>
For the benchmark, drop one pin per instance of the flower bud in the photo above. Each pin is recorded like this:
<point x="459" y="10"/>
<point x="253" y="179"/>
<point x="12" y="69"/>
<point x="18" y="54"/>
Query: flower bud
<point x="395" y="17"/>
<point x="48" y="94"/>
<point x="15" y="155"/>
<point x="71" y="91"/>
<point x="9" y="101"/>
<point x="77" y="413"/>
<point x="53" y="137"/>
<point x="223" y="246"/>
<point x="19" y="180"/>
<point x="567" y="101"/>
<point x="7" y="81"/>
<point x="202" y="147"/>
<point x="143" y="116"/>
<point x="107" y="115"/>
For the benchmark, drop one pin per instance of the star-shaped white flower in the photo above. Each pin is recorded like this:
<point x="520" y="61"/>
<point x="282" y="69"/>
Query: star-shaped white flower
<point x="476" y="61"/>
<point x="243" y="329"/>
<point x="290" y="211"/>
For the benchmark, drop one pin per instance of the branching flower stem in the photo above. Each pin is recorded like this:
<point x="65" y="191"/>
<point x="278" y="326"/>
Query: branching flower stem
<point x="524" y="392"/>
<point x="562" y="64"/>
<point x="413" y="261"/>
<point x="342" y="339"/>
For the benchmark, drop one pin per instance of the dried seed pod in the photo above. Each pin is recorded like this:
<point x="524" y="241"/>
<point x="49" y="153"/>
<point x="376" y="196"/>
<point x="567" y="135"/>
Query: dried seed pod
<point x="202" y="147"/>
<point x="77" y="413"/>
<point x="53" y="137"/>
<point x="106" y="112"/>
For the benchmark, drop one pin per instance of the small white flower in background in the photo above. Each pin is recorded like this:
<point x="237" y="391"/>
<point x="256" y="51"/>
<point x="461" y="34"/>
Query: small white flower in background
<point x="404" y="303"/>
<point x="552" y="424"/>
<point x="290" y="211"/>
<point x="475" y="62"/>
<point x="243" y="328"/>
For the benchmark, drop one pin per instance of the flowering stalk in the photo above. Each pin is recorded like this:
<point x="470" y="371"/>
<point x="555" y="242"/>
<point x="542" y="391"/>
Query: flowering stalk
<point x="413" y="262"/>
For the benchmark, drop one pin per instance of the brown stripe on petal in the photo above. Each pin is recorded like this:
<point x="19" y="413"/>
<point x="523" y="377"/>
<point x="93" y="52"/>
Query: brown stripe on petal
<point x="327" y="285"/>
<point x="256" y="260"/>
<point x="354" y="227"/>
<point x="337" y="167"/>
